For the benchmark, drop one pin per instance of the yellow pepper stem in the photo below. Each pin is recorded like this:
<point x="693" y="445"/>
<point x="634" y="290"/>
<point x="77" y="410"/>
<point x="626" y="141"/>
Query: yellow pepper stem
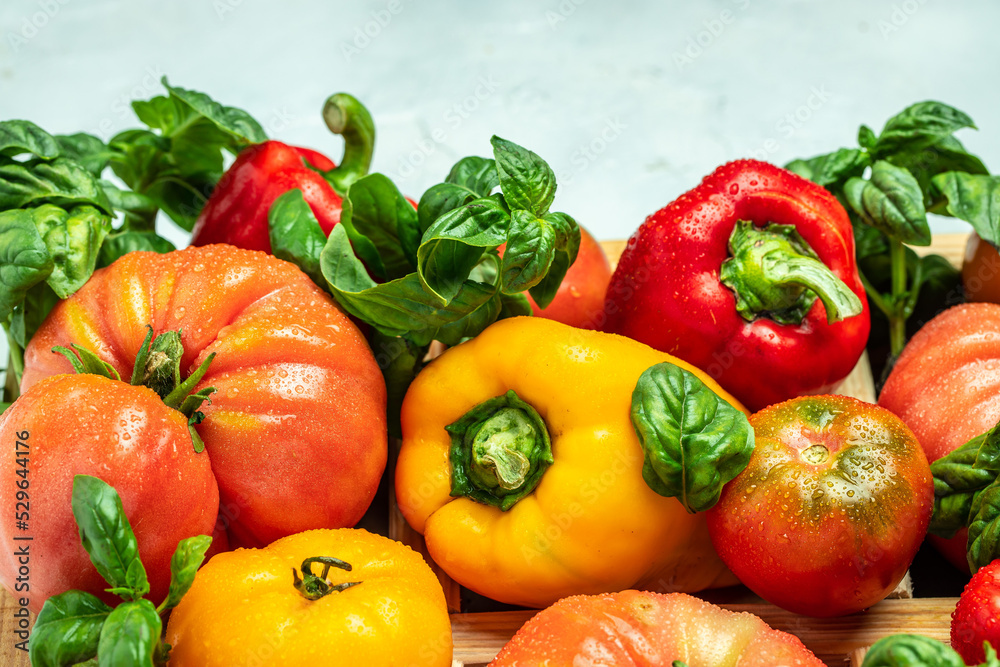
<point x="500" y="450"/>
<point x="312" y="587"/>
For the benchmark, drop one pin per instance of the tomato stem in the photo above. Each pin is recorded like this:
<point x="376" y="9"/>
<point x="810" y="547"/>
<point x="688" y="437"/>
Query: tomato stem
<point x="312" y="587"/>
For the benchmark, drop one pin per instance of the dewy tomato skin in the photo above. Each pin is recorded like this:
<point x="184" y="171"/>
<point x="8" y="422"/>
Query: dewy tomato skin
<point x="946" y="387"/>
<point x="124" y="435"/>
<point x="833" y="506"/>
<point x="296" y="428"/>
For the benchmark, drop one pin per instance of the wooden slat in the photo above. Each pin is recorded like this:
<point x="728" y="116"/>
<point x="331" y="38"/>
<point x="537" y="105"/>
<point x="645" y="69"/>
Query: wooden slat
<point x="479" y="637"/>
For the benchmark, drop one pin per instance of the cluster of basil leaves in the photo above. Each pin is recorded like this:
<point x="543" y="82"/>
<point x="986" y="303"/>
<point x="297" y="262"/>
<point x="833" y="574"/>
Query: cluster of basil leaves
<point x="888" y="184"/>
<point x="58" y="213"/>
<point x="967" y="495"/>
<point x="909" y="650"/>
<point x="77" y="627"/>
<point x="435" y="273"/>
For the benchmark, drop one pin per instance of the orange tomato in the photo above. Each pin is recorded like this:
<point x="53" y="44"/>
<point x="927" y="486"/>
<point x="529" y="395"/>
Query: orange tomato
<point x="635" y="628"/>
<point x="87" y="424"/>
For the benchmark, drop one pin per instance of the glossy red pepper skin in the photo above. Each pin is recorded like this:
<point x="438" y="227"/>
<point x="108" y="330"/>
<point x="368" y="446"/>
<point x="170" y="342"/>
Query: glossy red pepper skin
<point x="666" y="291"/>
<point x="236" y="213"/>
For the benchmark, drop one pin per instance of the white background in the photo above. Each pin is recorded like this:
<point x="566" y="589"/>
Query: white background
<point x="632" y="103"/>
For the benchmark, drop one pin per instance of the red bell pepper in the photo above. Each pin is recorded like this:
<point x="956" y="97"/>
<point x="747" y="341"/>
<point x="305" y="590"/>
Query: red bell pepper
<point x="751" y="277"/>
<point x="236" y="212"/>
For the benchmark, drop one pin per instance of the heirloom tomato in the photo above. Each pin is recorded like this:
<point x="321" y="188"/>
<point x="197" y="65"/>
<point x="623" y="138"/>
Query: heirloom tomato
<point x="945" y="387"/>
<point x="86" y="424"/>
<point x="634" y="628"/>
<point x="296" y="430"/>
<point x="826" y="518"/>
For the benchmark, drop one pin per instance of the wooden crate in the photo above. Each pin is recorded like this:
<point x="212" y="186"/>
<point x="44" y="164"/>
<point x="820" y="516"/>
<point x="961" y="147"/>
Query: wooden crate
<point x="839" y="641"/>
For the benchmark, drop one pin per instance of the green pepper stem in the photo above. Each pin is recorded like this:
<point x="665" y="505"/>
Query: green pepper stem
<point x="312" y="587"/>
<point x="346" y="116"/>
<point x="500" y="450"/>
<point x="773" y="272"/>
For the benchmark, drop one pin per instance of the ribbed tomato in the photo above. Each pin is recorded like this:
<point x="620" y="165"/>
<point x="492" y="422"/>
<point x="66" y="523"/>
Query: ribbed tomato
<point x="87" y="424"/>
<point x="296" y="430"/>
<point x="634" y="628"/>
<point x="946" y="387"/>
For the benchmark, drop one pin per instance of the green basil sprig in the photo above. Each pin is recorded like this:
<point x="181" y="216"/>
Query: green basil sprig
<point x="76" y="627"/>
<point x="888" y="184"/>
<point x="56" y="210"/>
<point x="435" y="273"/>
<point x="693" y="440"/>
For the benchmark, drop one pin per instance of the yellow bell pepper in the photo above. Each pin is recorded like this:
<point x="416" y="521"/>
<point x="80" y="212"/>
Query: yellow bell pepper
<point x="268" y="607"/>
<point x="524" y="531"/>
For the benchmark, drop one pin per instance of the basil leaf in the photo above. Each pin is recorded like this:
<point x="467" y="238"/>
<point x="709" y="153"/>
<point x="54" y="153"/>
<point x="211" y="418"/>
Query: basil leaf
<point x="867" y="137"/>
<point x="22" y="136"/>
<point x="892" y="202"/>
<point x="478" y="174"/>
<point x="60" y="181"/>
<point x="565" y="254"/>
<point x="694" y="441"/>
<point x="947" y="155"/>
<point x="905" y="650"/>
<point x="480" y="315"/>
<point x="455" y="243"/>
<point x="108" y="537"/>
<point x="187" y="558"/>
<point x="526" y="180"/>
<point x="295" y="233"/>
<point x="67" y="630"/>
<point x="92" y="153"/>
<point x="73" y="239"/>
<point x="440" y="199"/>
<point x="514" y="305"/>
<point x="400" y="307"/>
<point x="918" y="126"/>
<point x="984" y="527"/>
<point x="138" y="209"/>
<point x="833" y="169"/>
<point x="382" y="225"/>
<point x="31" y="312"/>
<point x="130" y="635"/>
<point x="959" y="477"/>
<point x="532" y="245"/>
<point x="122" y="243"/>
<point x="231" y="120"/>
<point x="24" y="258"/>
<point x="974" y="198"/>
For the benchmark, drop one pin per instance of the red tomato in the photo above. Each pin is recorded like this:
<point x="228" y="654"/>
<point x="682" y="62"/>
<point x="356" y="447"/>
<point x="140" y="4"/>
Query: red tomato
<point x="946" y="387"/>
<point x="829" y="513"/>
<point x="975" y="617"/>
<point x="125" y="435"/>
<point x="635" y="628"/>
<point x="580" y="299"/>
<point x="296" y="430"/>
